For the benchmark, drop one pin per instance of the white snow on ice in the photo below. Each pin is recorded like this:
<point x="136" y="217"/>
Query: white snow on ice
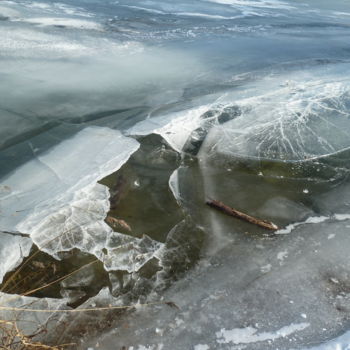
<point x="250" y="334"/>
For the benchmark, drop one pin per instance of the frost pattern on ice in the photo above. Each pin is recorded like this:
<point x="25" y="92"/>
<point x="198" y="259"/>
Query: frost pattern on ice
<point x="250" y="334"/>
<point x="297" y="121"/>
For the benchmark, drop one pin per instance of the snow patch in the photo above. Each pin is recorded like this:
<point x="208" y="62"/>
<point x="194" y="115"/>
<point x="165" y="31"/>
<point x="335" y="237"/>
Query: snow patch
<point x="341" y="217"/>
<point x="310" y="220"/>
<point x="250" y="335"/>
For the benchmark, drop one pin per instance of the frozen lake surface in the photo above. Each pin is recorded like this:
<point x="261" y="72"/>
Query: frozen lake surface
<point x="119" y="119"/>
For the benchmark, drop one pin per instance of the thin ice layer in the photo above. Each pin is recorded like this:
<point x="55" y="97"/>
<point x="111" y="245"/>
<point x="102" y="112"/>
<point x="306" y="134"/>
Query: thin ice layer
<point x="263" y="294"/>
<point x="11" y="307"/>
<point x="51" y="180"/>
<point x="12" y="250"/>
<point x="61" y="205"/>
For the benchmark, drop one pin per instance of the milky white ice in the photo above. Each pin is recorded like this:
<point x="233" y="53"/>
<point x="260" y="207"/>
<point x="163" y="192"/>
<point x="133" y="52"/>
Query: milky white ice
<point x="175" y="128"/>
<point x="296" y="121"/>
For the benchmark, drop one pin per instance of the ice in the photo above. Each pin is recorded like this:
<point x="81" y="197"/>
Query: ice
<point x="309" y="220"/>
<point x="7" y="12"/>
<point x="66" y="208"/>
<point x="213" y="9"/>
<point x="281" y="256"/>
<point x="339" y="343"/>
<point x="175" y="128"/>
<point x="51" y="183"/>
<point x="251" y="335"/>
<point x="341" y="217"/>
<point x="299" y="121"/>
<point x="272" y="142"/>
<point x="201" y="347"/>
<point x="64" y="22"/>
<point x="260" y="4"/>
<point x="12" y="306"/>
<point x="228" y="300"/>
<point x="62" y="63"/>
<point x="282" y="208"/>
<point x="130" y="254"/>
<point x="12" y="251"/>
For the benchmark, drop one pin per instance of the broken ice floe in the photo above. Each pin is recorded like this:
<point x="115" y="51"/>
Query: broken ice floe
<point x="12" y="251"/>
<point x="175" y="128"/>
<point x="62" y="207"/>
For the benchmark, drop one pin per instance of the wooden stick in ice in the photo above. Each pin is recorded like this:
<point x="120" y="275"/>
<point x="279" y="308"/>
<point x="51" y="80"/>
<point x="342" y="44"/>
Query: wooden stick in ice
<point x="237" y="214"/>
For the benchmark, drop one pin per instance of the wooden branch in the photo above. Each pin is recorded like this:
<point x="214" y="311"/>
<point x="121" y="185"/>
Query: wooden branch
<point x="237" y="214"/>
<point x="15" y="233"/>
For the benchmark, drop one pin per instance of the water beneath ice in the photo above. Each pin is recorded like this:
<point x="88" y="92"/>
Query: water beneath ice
<point x="119" y="119"/>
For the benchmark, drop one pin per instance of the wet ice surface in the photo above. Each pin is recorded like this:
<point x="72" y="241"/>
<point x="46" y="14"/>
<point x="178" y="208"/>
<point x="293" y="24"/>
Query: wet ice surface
<point x="167" y="105"/>
<point x="273" y="294"/>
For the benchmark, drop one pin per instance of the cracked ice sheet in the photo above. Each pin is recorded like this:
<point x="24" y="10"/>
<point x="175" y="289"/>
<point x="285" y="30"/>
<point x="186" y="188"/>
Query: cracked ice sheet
<point x="271" y="309"/>
<point x="288" y="120"/>
<point x="56" y="199"/>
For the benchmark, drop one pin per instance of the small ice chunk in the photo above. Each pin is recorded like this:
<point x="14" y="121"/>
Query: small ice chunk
<point x="283" y="208"/>
<point x="331" y="236"/>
